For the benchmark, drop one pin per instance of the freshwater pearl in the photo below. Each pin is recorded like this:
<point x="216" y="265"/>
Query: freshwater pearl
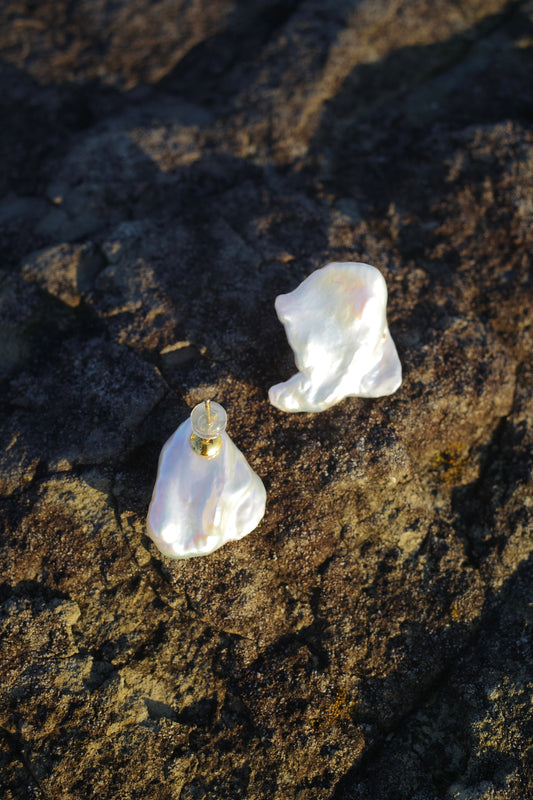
<point x="336" y="324"/>
<point x="200" y="502"/>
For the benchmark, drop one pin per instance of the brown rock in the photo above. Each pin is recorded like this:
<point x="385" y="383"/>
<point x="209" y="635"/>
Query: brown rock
<point x="170" y="169"/>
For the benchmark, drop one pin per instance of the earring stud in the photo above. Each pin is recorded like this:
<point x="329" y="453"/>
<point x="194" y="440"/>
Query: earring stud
<point x="206" y="493"/>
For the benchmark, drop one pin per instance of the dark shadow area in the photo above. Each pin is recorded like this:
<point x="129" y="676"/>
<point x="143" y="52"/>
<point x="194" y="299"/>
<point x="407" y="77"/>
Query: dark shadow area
<point x="39" y="124"/>
<point x="506" y="464"/>
<point x="38" y="593"/>
<point x="200" y="714"/>
<point x="40" y="121"/>
<point x="220" y="67"/>
<point x="434" y="744"/>
<point x="390" y="116"/>
<point x="17" y="769"/>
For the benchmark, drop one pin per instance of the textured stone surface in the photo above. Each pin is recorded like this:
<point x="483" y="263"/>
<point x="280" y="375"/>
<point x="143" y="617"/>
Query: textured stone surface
<point x="169" y="169"/>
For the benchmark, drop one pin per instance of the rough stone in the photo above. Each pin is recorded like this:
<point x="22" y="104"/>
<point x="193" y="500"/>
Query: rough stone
<point x="64" y="271"/>
<point x="169" y="169"/>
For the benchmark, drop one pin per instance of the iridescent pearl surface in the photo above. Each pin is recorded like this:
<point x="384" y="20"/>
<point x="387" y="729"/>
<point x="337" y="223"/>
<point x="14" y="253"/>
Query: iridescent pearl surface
<point x="199" y="503"/>
<point x="336" y="324"/>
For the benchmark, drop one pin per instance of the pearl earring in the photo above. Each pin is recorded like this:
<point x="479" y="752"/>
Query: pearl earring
<point x="336" y="324"/>
<point x="206" y="493"/>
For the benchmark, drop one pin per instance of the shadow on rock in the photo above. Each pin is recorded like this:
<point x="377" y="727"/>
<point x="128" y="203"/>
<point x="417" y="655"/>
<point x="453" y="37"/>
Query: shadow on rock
<point x="217" y="69"/>
<point x="383" y="130"/>
<point x="449" y="739"/>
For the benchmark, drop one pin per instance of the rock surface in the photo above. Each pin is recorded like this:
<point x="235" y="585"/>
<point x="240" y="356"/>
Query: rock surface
<point x="169" y="169"/>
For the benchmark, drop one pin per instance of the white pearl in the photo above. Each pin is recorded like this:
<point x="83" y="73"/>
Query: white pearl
<point x="200" y="503"/>
<point x="336" y="324"/>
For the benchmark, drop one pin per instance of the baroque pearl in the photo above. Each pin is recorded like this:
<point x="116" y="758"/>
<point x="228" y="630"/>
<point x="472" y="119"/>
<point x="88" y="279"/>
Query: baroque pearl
<point x="206" y="493"/>
<point x="336" y="324"/>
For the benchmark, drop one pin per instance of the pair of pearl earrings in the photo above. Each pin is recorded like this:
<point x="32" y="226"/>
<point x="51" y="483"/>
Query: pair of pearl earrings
<point x="206" y="493"/>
